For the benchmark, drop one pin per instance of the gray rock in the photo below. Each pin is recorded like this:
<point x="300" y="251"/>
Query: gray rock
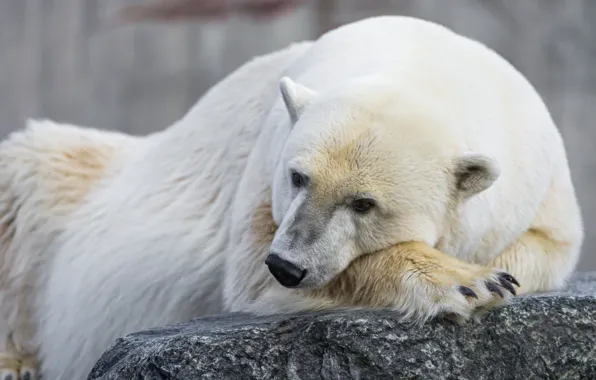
<point x="547" y="336"/>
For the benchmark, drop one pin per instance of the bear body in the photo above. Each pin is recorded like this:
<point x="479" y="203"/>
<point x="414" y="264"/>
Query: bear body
<point x="390" y="163"/>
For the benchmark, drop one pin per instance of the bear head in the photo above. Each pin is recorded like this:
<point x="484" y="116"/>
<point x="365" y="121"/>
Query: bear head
<point x="366" y="165"/>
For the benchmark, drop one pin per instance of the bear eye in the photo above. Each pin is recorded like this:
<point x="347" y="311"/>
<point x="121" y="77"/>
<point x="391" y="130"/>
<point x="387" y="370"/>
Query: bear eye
<point x="363" y="205"/>
<point x="298" y="180"/>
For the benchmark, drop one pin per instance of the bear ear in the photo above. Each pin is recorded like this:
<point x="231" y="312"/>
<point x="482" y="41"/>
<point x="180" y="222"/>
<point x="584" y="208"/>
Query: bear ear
<point x="475" y="173"/>
<point x="296" y="97"/>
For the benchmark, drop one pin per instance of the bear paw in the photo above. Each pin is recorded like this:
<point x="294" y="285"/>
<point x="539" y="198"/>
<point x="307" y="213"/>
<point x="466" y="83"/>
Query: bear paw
<point x="15" y="367"/>
<point x="487" y="289"/>
<point x="466" y="293"/>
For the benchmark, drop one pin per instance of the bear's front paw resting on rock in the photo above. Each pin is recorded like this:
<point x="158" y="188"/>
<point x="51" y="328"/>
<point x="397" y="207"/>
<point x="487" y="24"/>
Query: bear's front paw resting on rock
<point x="471" y="294"/>
<point x="435" y="284"/>
<point x="418" y="281"/>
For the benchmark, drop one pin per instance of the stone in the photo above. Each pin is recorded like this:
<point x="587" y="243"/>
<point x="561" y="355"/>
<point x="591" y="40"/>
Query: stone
<point x="545" y="336"/>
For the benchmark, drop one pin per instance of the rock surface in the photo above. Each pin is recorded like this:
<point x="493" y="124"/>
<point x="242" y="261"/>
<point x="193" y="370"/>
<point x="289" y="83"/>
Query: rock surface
<point x="548" y="336"/>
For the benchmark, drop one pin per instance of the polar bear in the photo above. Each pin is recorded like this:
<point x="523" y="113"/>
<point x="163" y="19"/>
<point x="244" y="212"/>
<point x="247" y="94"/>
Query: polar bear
<point x="390" y="163"/>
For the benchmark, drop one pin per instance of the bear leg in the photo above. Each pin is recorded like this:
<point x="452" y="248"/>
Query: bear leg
<point x="420" y="282"/>
<point x="544" y="256"/>
<point x="16" y="364"/>
<point x="540" y="262"/>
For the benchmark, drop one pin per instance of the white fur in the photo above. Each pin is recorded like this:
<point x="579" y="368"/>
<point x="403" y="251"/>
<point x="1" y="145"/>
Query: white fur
<point x="164" y="234"/>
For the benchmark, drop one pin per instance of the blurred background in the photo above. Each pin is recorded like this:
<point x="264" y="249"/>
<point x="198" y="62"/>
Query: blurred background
<point x="69" y="61"/>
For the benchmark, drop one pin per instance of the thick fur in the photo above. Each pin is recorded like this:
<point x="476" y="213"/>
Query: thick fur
<point x="105" y="234"/>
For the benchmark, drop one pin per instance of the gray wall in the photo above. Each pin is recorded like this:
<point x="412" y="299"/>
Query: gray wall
<point x="59" y="59"/>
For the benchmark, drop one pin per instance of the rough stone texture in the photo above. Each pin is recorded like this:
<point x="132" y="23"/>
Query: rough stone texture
<point x="549" y="336"/>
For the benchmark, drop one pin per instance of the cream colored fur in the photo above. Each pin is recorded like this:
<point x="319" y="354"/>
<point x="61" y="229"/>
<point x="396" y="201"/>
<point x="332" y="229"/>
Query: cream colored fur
<point x="105" y="234"/>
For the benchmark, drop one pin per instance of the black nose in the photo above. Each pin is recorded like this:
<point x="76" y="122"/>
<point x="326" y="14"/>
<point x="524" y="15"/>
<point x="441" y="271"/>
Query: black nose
<point x="286" y="273"/>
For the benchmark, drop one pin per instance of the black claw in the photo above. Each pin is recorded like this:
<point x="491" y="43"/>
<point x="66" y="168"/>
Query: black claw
<point x="494" y="288"/>
<point x="26" y="376"/>
<point x="509" y="278"/>
<point x="467" y="292"/>
<point x="507" y="285"/>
